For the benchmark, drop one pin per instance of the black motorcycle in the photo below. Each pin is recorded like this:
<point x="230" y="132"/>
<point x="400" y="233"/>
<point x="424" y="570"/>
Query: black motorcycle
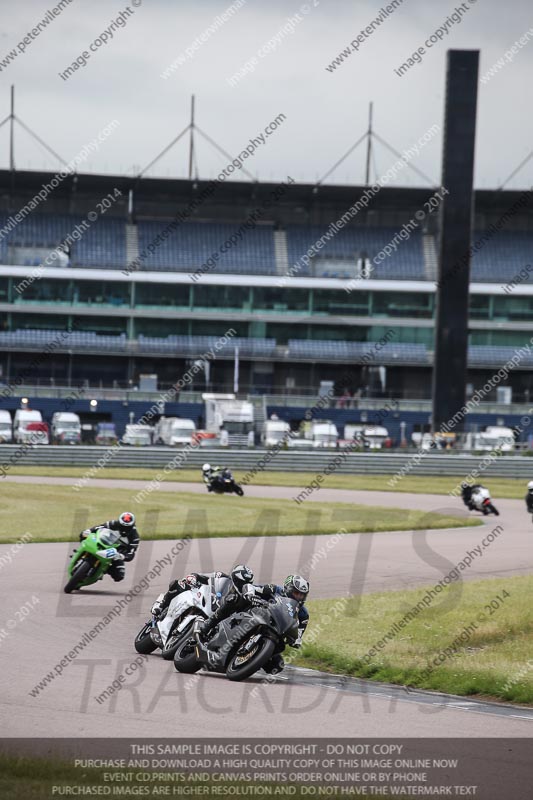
<point x="243" y="643"/>
<point x="225" y="484"/>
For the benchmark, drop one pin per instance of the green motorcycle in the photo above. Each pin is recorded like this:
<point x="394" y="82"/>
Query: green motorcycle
<point x="93" y="558"/>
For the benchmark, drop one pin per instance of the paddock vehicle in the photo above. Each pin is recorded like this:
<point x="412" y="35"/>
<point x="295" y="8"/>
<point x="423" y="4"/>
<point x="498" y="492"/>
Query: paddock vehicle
<point x="174" y="431"/>
<point x="243" y="643"/>
<point x="224" y="483"/>
<point x="138" y="435"/>
<point x="93" y="558"/>
<point x="275" y="431"/>
<point x="23" y="418"/>
<point x="66" y="428"/>
<point x="183" y="611"/>
<point x="6" y="429"/>
<point x="106" y="433"/>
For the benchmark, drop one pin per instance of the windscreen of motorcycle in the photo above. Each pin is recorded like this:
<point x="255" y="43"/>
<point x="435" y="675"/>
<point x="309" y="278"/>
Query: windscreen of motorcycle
<point x="285" y="615"/>
<point x="108" y="537"/>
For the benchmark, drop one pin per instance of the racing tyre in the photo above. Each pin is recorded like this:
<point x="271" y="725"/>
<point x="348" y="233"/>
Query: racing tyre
<point x="494" y="510"/>
<point x="185" y="654"/>
<point x="82" y="571"/>
<point x="171" y="644"/>
<point x="238" y="490"/>
<point x="243" y="664"/>
<point x="144" y="642"/>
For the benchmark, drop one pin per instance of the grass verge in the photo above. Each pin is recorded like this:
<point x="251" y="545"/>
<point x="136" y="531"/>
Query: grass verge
<point x="483" y="646"/>
<point x="57" y="513"/>
<point x="500" y="487"/>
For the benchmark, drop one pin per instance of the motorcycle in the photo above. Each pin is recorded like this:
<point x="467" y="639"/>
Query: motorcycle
<point x="183" y="611"/>
<point x="481" y="500"/>
<point x="243" y="643"/>
<point x="225" y="484"/>
<point x="92" y="559"/>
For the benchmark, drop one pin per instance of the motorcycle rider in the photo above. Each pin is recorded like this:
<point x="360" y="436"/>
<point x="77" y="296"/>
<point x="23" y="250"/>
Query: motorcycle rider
<point x="294" y="586"/>
<point x="210" y="474"/>
<point x="467" y="491"/>
<point x="529" y="497"/>
<point x="192" y="581"/>
<point x="125" y="525"/>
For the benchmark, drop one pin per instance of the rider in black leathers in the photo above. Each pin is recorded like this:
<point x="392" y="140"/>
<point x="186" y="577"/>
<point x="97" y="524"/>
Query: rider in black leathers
<point x="125" y="525"/>
<point x="466" y="493"/>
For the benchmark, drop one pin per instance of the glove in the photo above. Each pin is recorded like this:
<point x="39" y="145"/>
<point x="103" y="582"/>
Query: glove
<point x="192" y="581"/>
<point x="256" y="601"/>
<point x="156" y="608"/>
<point x="129" y="556"/>
<point x="269" y="590"/>
<point x="297" y="645"/>
<point x="84" y="534"/>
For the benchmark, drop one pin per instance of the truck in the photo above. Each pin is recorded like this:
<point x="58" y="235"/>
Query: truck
<point x="174" y="431"/>
<point x="494" y="437"/>
<point x="23" y="418"/>
<point x="371" y="437"/>
<point x="323" y="434"/>
<point x="275" y="432"/>
<point x="6" y="427"/>
<point x="66" y="428"/>
<point x="138" y="435"/>
<point x="224" y="411"/>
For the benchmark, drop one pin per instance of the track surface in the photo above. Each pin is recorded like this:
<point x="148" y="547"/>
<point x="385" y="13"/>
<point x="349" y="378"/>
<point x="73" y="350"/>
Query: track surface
<point x="156" y="701"/>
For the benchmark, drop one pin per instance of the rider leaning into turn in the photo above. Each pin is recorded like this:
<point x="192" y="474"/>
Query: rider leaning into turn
<point x="125" y="525"/>
<point x="192" y="581"/>
<point x="209" y="473"/>
<point x="294" y="586"/>
<point x="529" y="497"/>
<point x="466" y="493"/>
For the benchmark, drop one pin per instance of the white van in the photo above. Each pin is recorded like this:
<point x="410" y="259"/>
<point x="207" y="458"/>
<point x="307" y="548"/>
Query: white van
<point x="6" y="427"/>
<point x="23" y="417"/>
<point x="66" y="428"/>
<point x="275" y="432"/>
<point x="138" y="435"/>
<point x="174" y="431"/>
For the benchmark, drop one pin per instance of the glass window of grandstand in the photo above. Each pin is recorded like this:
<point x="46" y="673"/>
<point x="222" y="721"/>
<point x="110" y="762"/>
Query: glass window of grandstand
<point x="268" y="298"/>
<point x="513" y="308"/>
<point x="161" y="328"/>
<point x="101" y="325"/>
<point x="402" y="304"/>
<point x="223" y="297"/>
<point x="4" y="284"/>
<point x="107" y="293"/>
<point x="499" y="338"/>
<point x="217" y="328"/>
<point x="401" y="335"/>
<point x="41" y="322"/>
<point x="479" y="306"/>
<point x="340" y="302"/>
<point x="162" y="294"/>
<point x="43" y="291"/>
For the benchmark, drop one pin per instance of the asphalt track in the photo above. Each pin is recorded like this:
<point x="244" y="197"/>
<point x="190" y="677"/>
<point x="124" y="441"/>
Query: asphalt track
<point x="155" y="701"/>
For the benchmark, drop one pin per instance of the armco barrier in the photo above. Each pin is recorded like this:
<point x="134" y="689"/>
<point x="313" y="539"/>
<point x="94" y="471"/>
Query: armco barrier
<point x="520" y="467"/>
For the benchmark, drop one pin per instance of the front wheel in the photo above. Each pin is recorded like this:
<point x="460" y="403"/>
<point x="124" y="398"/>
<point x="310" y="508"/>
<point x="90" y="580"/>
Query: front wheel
<point x="238" y="490"/>
<point x="247" y="661"/>
<point x="143" y="641"/>
<point x="81" y="572"/>
<point x="494" y="510"/>
<point x="171" y="644"/>
<point x="185" y="654"/>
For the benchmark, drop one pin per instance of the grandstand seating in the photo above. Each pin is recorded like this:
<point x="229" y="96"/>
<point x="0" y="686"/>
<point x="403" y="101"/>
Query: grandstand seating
<point x="493" y="355"/>
<point x="406" y="263"/>
<point x="502" y="257"/>
<point x="198" y="345"/>
<point x="192" y="244"/>
<point x="391" y="353"/>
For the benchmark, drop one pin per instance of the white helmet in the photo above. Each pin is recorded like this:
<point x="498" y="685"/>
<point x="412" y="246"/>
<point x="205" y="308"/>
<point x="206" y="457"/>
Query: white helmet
<point x="530" y="486"/>
<point x="206" y="468"/>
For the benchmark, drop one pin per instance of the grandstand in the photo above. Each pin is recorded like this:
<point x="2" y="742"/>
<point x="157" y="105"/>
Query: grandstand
<point x="130" y="294"/>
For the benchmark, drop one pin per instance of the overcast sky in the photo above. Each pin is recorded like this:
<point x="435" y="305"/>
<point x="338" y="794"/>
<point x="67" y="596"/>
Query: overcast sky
<point x="326" y="111"/>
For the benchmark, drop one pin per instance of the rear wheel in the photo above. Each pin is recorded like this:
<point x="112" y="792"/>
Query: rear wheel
<point x="143" y="641"/>
<point x="185" y="653"/>
<point x="81" y="572"/>
<point x="248" y="659"/>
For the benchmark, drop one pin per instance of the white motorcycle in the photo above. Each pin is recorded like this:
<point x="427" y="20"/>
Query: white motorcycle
<point x="481" y="501"/>
<point x="184" y="609"/>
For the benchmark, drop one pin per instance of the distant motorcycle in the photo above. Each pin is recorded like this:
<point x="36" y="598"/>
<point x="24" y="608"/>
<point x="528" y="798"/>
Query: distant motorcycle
<point x="480" y="500"/>
<point x="183" y="611"/>
<point x="93" y="558"/>
<point x="225" y="484"/>
<point x="243" y="643"/>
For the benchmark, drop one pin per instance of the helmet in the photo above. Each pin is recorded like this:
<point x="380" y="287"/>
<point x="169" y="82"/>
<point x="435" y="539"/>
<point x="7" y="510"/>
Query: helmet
<point x="127" y="519"/>
<point x="530" y="486"/>
<point x="206" y="468"/>
<point x="240" y="575"/>
<point x="296" y="587"/>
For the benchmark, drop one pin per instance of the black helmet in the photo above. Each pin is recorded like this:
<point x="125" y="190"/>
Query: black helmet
<point x="241" y="575"/>
<point x="296" y="587"/>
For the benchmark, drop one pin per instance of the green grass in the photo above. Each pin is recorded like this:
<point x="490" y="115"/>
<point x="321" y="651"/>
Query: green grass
<point x="24" y="778"/>
<point x="491" y="662"/>
<point x="57" y="513"/>
<point x="500" y="487"/>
